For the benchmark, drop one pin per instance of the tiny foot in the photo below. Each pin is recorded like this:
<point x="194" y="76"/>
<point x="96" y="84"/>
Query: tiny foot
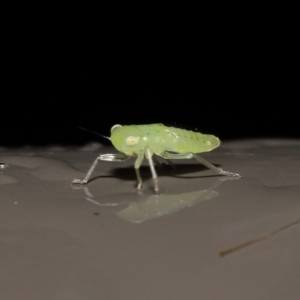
<point x="79" y="181"/>
<point x="231" y="174"/>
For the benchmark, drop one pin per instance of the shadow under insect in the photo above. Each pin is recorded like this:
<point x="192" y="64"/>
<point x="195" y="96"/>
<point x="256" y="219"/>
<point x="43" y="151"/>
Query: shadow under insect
<point x="177" y="171"/>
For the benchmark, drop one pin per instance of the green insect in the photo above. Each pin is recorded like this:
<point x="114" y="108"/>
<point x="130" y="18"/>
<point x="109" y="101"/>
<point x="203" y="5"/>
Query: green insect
<point x="143" y="141"/>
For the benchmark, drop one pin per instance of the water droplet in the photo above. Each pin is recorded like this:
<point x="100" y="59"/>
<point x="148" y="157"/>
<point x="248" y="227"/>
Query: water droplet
<point x="3" y="166"/>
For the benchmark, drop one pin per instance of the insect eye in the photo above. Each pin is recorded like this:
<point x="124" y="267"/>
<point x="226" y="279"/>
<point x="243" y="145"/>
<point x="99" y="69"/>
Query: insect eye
<point x="132" y="140"/>
<point x="115" y="126"/>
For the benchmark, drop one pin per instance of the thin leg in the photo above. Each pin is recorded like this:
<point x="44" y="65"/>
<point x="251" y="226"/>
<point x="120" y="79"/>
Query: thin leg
<point x="169" y="155"/>
<point x="212" y="167"/>
<point x="152" y="168"/>
<point x="104" y="157"/>
<point x="137" y="165"/>
<point x="89" y="173"/>
<point x="114" y="157"/>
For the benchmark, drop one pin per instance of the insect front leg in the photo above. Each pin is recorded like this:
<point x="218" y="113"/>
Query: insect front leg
<point x="88" y="174"/>
<point x="212" y="167"/>
<point x="104" y="157"/>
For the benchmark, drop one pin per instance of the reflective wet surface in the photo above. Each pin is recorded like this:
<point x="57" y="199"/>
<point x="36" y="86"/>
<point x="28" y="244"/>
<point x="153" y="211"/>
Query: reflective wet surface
<point x="203" y="237"/>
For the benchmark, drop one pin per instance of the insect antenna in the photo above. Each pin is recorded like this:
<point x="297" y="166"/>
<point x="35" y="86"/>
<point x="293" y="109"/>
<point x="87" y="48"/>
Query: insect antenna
<point x="94" y="132"/>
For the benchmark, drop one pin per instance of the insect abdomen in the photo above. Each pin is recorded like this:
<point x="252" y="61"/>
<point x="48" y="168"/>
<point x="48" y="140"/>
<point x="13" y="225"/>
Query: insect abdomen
<point x="184" y="141"/>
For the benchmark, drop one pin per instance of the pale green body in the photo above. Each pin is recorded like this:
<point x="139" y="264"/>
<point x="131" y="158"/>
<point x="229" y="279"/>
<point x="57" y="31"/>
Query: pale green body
<point x="168" y="142"/>
<point x="159" y="139"/>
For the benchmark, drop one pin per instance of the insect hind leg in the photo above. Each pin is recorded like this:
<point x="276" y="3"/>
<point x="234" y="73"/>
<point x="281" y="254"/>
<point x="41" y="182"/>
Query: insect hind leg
<point x="212" y="167"/>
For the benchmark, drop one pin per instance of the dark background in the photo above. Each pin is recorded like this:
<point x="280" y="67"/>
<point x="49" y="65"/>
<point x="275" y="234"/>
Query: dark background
<point x="235" y="83"/>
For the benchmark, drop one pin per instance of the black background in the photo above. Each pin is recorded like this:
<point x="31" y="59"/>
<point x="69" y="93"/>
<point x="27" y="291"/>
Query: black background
<point x="235" y="83"/>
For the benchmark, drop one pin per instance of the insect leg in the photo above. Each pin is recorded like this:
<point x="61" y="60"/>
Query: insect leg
<point x="152" y="168"/>
<point x="114" y="157"/>
<point x="212" y="167"/>
<point x="169" y="155"/>
<point x="137" y="165"/>
<point x="105" y="157"/>
<point x="88" y="174"/>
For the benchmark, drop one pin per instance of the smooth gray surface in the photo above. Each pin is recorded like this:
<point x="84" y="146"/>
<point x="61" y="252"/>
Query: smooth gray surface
<point x="109" y="242"/>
